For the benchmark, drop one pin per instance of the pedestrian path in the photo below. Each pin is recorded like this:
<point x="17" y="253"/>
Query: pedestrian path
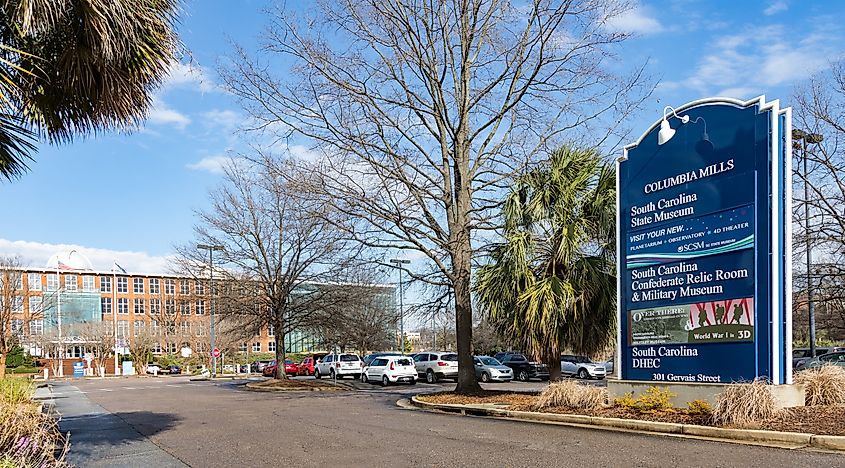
<point x="99" y="438"/>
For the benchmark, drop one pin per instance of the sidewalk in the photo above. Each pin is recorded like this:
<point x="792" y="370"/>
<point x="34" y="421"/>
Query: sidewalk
<point x="99" y="438"/>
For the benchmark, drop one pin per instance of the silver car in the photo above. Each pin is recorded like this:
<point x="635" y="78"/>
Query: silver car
<point x="488" y="369"/>
<point x="581" y="366"/>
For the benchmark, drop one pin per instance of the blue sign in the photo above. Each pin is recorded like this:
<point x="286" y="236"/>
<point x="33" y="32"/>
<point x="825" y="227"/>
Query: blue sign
<point x="704" y="234"/>
<point x="78" y="369"/>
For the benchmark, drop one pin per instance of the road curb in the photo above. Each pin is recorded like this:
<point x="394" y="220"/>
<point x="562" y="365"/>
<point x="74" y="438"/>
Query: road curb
<point x="779" y="439"/>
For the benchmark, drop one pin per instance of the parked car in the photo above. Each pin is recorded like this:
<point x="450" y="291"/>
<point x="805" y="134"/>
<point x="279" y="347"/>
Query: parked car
<point x="258" y="366"/>
<point x="835" y="358"/>
<point x="390" y="369"/>
<point x="339" y="366"/>
<point x="581" y="366"/>
<point x="608" y="367"/>
<point x="434" y="366"/>
<point x="269" y="370"/>
<point x="174" y="369"/>
<point x="488" y="369"/>
<point x="154" y="369"/>
<point x="802" y="355"/>
<point x="291" y="368"/>
<point x="369" y="358"/>
<point x="523" y="369"/>
<point x="306" y="367"/>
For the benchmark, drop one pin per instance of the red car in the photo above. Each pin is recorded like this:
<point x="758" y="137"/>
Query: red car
<point x="306" y="367"/>
<point x="291" y="368"/>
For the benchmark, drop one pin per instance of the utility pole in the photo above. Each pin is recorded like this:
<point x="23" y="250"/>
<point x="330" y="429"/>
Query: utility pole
<point x="211" y="249"/>
<point x="399" y="262"/>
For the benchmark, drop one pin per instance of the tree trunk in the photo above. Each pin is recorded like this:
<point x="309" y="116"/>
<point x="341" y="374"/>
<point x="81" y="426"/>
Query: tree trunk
<point x="2" y="365"/>
<point x="279" y="338"/>
<point x="467" y="382"/>
<point x="554" y="367"/>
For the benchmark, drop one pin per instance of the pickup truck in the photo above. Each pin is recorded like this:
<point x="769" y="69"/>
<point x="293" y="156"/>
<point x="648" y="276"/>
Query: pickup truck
<point x="523" y="369"/>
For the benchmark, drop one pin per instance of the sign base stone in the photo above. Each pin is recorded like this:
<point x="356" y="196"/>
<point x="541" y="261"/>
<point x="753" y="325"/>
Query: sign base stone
<point x="786" y="396"/>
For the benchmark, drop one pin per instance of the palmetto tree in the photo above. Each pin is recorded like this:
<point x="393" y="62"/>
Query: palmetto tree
<point x="551" y="285"/>
<point x="75" y="67"/>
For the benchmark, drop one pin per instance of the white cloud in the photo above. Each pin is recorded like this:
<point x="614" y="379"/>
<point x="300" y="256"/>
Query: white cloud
<point x="214" y="164"/>
<point x="636" y="20"/>
<point x="36" y="254"/>
<point x="227" y="119"/>
<point x="776" y="7"/>
<point x="161" y="114"/>
<point x="189" y="75"/>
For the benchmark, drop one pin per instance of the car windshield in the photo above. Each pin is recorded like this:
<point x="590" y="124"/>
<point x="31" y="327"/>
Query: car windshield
<point x="348" y="357"/>
<point x="288" y="361"/>
<point x="449" y="357"/>
<point x="582" y="359"/>
<point x="488" y="361"/>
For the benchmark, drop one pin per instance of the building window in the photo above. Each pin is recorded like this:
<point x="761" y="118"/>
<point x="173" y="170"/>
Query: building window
<point x="200" y="307"/>
<point x="122" y="328"/>
<point x="138" y="285"/>
<point x="256" y="347"/>
<point x="170" y="286"/>
<point x="33" y="281"/>
<point x="105" y="284"/>
<point x="71" y="283"/>
<point x="156" y="348"/>
<point x="154" y="286"/>
<point x="154" y="328"/>
<point x="17" y="327"/>
<point x="138" y="327"/>
<point x="105" y="305"/>
<point x="171" y="348"/>
<point x="199" y="288"/>
<point x="123" y="306"/>
<point x="271" y="346"/>
<point x="36" y="327"/>
<point x="200" y="329"/>
<point x="88" y="283"/>
<point x="170" y="306"/>
<point x="35" y="304"/>
<point x="155" y="306"/>
<point x="184" y="308"/>
<point x="17" y="303"/>
<point x="186" y="328"/>
<point x="52" y="282"/>
<point x="271" y="330"/>
<point x="184" y="287"/>
<point x="122" y="284"/>
<point x="242" y="347"/>
<point x="140" y="306"/>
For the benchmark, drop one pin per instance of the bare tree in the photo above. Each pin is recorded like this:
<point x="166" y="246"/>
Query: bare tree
<point x="98" y="339"/>
<point x="278" y="249"/>
<point x="422" y="111"/>
<point x="820" y="110"/>
<point x="140" y="348"/>
<point x="12" y="298"/>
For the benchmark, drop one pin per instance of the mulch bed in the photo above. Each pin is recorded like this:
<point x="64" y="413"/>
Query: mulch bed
<point x="288" y="384"/>
<point x="822" y="420"/>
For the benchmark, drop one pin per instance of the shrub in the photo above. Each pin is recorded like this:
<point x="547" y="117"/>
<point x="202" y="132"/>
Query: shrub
<point x="699" y="408"/>
<point x="29" y="438"/>
<point x="654" y="400"/>
<point x="824" y="385"/>
<point x="15" y="390"/>
<point x="744" y="403"/>
<point x="571" y="394"/>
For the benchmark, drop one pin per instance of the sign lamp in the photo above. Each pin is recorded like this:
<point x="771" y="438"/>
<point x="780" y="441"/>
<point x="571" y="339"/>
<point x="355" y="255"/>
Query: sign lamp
<point x="666" y="132"/>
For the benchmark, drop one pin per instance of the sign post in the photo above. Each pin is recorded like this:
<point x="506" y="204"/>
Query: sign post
<point x="704" y="246"/>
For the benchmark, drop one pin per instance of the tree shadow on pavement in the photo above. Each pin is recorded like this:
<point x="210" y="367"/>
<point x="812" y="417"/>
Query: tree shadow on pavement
<point x="98" y="434"/>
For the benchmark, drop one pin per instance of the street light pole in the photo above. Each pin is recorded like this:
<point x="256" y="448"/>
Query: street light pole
<point x="211" y="249"/>
<point x="399" y="262"/>
<point x="805" y="138"/>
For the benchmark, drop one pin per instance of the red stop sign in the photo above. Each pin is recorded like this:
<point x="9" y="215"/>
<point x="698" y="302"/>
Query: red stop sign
<point x="215" y="352"/>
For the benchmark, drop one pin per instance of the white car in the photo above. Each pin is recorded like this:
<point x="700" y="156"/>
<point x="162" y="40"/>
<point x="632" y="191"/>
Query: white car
<point x="436" y="365"/>
<point x="339" y="366"/>
<point x="581" y="366"/>
<point x="154" y="369"/>
<point x="390" y="369"/>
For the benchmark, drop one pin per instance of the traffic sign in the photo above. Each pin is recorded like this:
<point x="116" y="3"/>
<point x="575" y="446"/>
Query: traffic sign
<point x="215" y="352"/>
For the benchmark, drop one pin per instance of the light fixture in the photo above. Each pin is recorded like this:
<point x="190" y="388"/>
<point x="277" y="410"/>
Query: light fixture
<point x="704" y="146"/>
<point x="666" y="132"/>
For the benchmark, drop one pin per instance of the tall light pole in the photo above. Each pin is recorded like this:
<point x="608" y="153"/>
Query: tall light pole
<point x="211" y="249"/>
<point x="806" y="138"/>
<point x="399" y="262"/>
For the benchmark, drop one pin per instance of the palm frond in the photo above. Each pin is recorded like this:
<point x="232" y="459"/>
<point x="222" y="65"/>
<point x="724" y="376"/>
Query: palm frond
<point x="17" y="143"/>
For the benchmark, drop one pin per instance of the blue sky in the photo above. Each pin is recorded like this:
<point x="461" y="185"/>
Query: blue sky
<point x="131" y="197"/>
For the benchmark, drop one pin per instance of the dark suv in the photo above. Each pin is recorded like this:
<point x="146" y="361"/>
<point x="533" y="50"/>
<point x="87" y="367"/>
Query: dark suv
<point x="523" y="369"/>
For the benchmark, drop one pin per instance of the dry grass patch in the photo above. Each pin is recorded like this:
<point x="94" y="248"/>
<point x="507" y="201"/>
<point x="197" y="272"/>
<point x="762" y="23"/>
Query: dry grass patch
<point x="28" y="438"/>
<point x="571" y="394"/>
<point x="510" y="399"/>
<point x="824" y="385"/>
<point x="743" y="404"/>
<point x="289" y="384"/>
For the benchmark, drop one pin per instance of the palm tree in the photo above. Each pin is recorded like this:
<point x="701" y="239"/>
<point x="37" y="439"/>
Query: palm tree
<point x="76" y="67"/>
<point x="551" y="284"/>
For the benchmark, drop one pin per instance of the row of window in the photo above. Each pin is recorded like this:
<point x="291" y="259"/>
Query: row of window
<point x="36" y="327"/>
<point x="256" y="347"/>
<point x="153" y="307"/>
<point x="139" y="285"/>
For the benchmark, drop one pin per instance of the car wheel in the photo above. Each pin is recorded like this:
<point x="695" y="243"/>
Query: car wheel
<point x="485" y="377"/>
<point x="384" y="381"/>
<point x="522" y="376"/>
<point x="413" y="382"/>
<point x="364" y="378"/>
<point x="317" y="374"/>
<point x="582" y="374"/>
<point x="430" y="377"/>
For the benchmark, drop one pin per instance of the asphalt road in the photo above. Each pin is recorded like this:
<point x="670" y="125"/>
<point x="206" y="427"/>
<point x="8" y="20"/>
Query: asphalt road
<point x="211" y="424"/>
